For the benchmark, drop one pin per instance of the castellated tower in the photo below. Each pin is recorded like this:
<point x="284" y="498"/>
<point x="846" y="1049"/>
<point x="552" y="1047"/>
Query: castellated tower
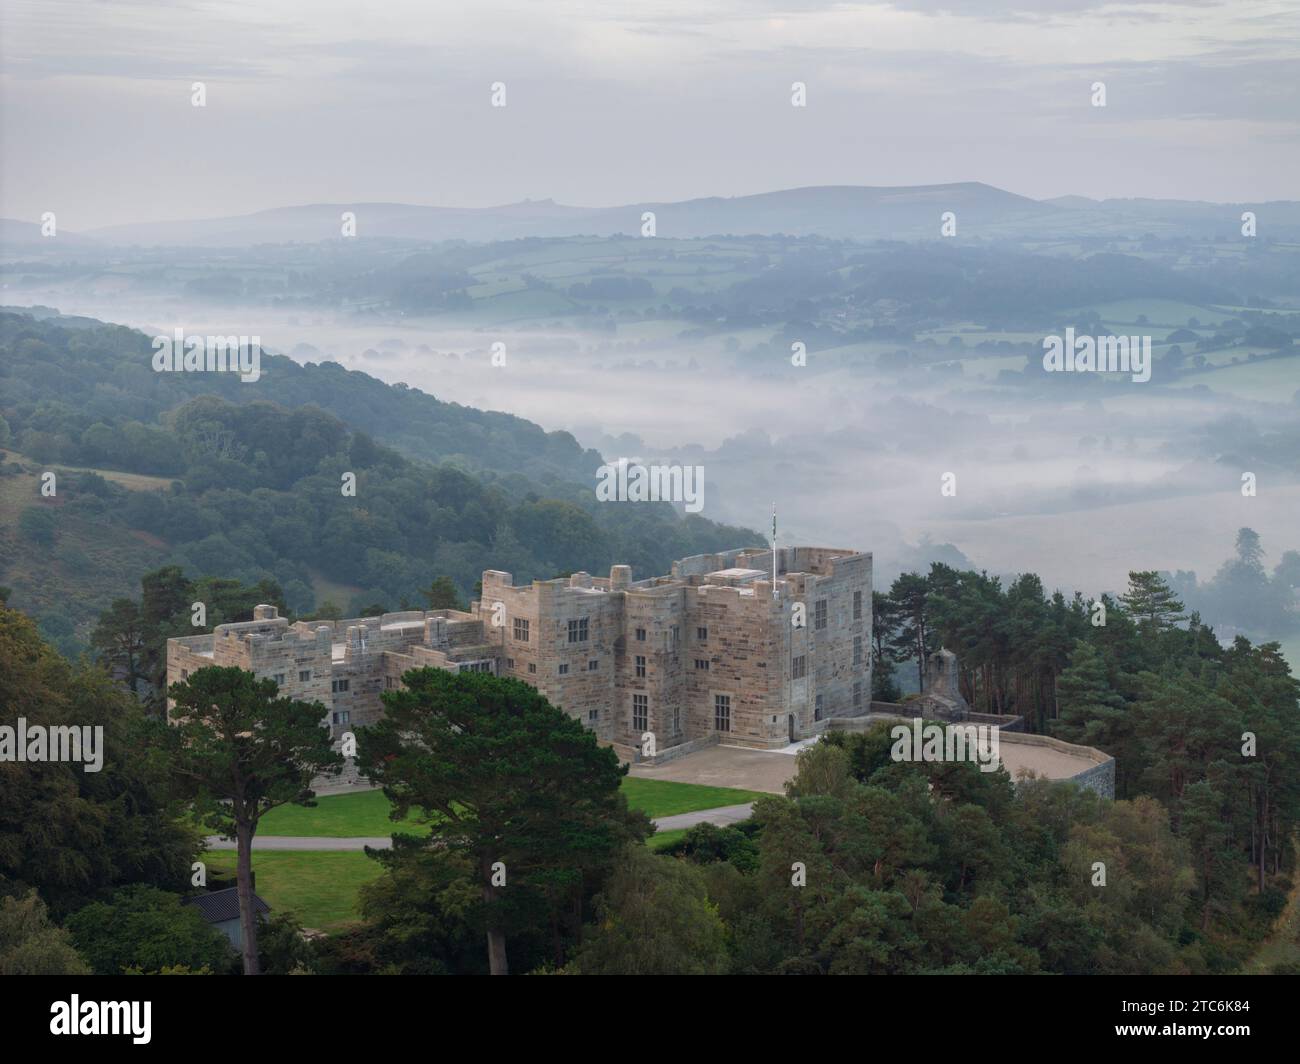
<point x="721" y="645"/>
<point x="710" y="648"/>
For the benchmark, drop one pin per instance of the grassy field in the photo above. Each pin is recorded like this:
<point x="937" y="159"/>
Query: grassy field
<point x="660" y="798"/>
<point x="91" y="561"/>
<point x="365" y="813"/>
<point x="663" y="839"/>
<point x="359" y="815"/>
<point x="130" y="481"/>
<point x="319" y="886"/>
<point x="1275" y="380"/>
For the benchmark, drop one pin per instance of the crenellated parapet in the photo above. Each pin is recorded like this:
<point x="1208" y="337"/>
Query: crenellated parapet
<point x="722" y="645"/>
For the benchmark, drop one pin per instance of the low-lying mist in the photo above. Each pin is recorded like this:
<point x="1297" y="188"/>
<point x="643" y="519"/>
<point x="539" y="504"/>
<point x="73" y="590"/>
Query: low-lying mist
<point x="1077" y="488"/>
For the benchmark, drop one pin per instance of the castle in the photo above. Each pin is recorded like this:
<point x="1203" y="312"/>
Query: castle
<point x="723" y="646"/>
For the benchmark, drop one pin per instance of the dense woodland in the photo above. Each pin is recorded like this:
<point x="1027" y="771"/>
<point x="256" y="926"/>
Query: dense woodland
<point x="910" y="868"/>
<point x="252" y="482"/>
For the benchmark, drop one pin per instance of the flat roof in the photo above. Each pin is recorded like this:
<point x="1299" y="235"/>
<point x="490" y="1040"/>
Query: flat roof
<point x="737" y="574"/>
<point x="1041" y="760"/>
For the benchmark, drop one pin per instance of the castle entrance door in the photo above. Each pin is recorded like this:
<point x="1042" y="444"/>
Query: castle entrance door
<point x="792" y="727"/>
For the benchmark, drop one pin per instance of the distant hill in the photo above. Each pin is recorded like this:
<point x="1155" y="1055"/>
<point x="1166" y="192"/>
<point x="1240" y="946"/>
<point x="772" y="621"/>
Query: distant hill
<point x="841" y="212"/>
<point x="322" y="221"/>
<point x="833" y="211"/>
<point x="830" y="211"/>
<point x="17" y="233"/>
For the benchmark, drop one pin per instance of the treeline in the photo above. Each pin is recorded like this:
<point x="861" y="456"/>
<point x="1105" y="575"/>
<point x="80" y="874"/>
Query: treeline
<point x="94" y="865"/>
<point x="130" y="637"/>
<point x="59" y="377"/>
<point x="1243" y="595"/>
<point x="1210" y="732"/>
<point x="1014" y="642"/>
<point x="868" y="865"/>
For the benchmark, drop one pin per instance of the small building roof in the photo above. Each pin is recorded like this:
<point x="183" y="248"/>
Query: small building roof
<point x="218" y="906"/>
<point x="735" y="575"/>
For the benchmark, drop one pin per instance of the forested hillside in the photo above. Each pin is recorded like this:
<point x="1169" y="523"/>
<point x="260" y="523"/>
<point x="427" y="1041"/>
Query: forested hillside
<point x="91" y="371"/>
<point x="245" y="481"/>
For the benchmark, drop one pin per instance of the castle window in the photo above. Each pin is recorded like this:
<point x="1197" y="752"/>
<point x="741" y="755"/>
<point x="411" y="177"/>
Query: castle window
<point x="564" y="670"/>
<point x="593" y="665"/>
<point x="857" y="605"/>
<point x="521" y="629"/>
<point x="593" y="715"/>
<point x="677" y="634"/>
<point x="702" y="663"/>
<point x="341" y="717"/>
<point x="532" y="666"/>
<point x="702" y="634"/>
<point x="279" y="679"/>
<point x="510" y="663"/>
<point x="339" y="687"/>
<point x="185" y="674"/>
<point x="677" y="720"/>
<point x="817" y="709"/>
<point x="857" y="650"/>
<point x="722" y="713"/>
<point x="640" y="713"/>
<point x="819" y="615"/>
<point x="578" y="630"/>
<point x="640" y="666"/>
<point x="390" y="683"/>
<point x="640" y="635"/>
<point x="304" y="675"/>
<point x="798" y="667"/>
<point x="857" y="693"/>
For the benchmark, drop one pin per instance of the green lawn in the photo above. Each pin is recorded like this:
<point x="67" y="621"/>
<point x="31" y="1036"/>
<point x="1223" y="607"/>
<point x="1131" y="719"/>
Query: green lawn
<point x="663" y="839"/>
<point x="319" y="886"/>
<point x="361" y="814"/>
<point x="365" y="813"/>
<point x="660" y="798"/>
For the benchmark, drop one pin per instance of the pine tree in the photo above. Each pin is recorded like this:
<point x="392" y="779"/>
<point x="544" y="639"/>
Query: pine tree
<point x="517" y="788"/>
<point x="910" y="593"/>
<point x="243" y="750"/>
<point x="1092" y="712"/>
<point x="1213" y="861"/>
<point x="1150" y="600"/>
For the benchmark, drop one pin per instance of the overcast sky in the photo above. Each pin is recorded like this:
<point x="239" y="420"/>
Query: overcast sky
<point x="314" y="101"/>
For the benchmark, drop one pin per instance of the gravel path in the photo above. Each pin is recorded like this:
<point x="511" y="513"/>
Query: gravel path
<point x="725" y="814"/>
